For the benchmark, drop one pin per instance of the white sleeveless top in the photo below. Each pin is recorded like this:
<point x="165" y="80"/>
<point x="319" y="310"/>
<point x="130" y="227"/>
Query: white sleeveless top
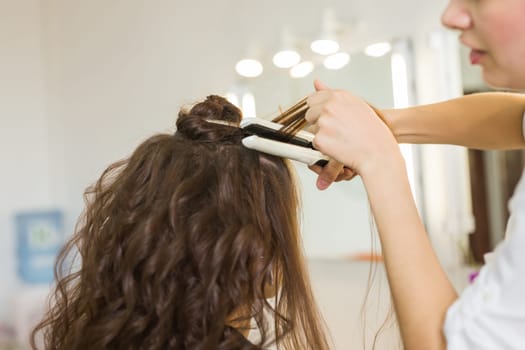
<point x="490" y="313"/>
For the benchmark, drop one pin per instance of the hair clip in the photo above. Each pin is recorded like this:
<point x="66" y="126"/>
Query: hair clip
<point x="222" y="122"/>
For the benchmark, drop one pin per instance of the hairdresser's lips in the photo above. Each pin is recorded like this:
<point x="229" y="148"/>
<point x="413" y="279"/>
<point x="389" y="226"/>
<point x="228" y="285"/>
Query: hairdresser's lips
<point x="476" y="56"/>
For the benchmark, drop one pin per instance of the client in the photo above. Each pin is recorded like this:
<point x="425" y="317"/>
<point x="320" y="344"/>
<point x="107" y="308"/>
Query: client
<point x="181" y="245"/>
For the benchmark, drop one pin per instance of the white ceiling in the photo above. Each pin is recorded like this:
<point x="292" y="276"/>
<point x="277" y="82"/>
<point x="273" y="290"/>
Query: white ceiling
<point x="212" y="35"/>
<point x="261" y="22"/>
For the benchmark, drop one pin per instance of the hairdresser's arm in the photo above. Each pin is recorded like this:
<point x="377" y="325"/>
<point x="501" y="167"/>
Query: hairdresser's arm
<point x="484" y="121"/>
<point x="491" y="120"/>
<point x="420" y="288"/>
<point x="350" y="132"/>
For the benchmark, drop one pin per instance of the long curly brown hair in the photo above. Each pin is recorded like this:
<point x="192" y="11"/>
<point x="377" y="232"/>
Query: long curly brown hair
<point x="178" y="244"/>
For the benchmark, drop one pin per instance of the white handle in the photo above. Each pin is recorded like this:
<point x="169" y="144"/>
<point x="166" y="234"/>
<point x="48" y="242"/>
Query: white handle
<point x="281" y="149"/>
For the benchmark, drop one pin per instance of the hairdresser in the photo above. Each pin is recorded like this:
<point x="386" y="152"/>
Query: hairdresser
<point x="490" y="313"/>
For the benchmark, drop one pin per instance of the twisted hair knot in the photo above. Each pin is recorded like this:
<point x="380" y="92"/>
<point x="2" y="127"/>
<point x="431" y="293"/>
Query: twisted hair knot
<point x="197" y="123"/>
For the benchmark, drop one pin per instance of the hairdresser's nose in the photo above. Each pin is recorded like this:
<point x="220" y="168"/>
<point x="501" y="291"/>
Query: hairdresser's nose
<point x="456" y="15"/>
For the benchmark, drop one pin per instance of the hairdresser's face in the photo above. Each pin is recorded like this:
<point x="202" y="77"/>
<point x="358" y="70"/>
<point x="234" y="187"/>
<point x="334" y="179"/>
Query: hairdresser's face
<point x="494" y="30"/>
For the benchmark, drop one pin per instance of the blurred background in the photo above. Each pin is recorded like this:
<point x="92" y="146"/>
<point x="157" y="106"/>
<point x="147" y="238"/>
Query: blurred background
<point x="83" y="82"/>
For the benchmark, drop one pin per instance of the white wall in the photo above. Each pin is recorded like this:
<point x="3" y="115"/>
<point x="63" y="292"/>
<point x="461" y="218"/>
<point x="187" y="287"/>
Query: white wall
<point x="25" y="175"/>
<point x="120" y="72"/>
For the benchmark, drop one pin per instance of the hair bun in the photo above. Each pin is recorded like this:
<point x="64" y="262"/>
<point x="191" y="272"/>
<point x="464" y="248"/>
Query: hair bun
<point x="194" y="124"/>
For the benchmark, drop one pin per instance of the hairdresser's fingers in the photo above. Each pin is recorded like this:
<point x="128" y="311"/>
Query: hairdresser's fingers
<point x="313" y="113"/>
<point x="321" y="95"/>
<point x="345" y="175"/>
<point x="319" y="85"/>
<point x="315" y="168"/>
<point x="329" y="174"/>
<point x="319" y="98"/>
<point x="312" y="128"/>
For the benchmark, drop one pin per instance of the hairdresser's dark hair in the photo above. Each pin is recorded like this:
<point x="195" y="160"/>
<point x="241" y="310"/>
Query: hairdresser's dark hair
<point x="178" y="244"/>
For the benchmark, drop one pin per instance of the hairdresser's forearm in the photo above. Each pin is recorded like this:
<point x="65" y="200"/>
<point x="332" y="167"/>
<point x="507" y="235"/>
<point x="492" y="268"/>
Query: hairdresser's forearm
<point x="420" y="288"/>
<point x="484" y="121"/>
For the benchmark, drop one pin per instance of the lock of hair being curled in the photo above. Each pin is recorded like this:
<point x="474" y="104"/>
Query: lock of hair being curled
<point x="178" y="246"/>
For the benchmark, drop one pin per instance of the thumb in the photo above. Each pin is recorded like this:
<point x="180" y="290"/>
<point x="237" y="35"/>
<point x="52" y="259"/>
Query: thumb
<point x="319" y="85"/>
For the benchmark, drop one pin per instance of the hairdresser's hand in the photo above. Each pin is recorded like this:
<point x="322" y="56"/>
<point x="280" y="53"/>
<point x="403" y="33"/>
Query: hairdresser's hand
<point x="350" y="132"/>
<point x="332" y="171"/>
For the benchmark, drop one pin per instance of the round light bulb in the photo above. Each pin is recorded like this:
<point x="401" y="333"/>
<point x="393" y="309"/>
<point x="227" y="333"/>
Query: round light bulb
<point x="336" y="61"/>
<point x="324" y="46"/>
<point x="249" y="68"/>
<point x="302" y="69"/>
<point x="378" y="50"/>
<point x="286" y="58"/>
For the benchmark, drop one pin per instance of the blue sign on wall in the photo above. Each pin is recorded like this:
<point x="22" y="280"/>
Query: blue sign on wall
<point x="39" y="238"/>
